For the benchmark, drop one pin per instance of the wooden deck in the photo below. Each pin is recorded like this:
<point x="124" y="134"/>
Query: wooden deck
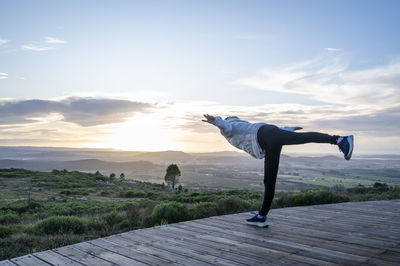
<point x="358" y="233"/>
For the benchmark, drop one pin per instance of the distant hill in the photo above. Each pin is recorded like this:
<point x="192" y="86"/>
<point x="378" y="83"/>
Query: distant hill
<point x="163" y="156"/>
<point x="225" y="169"/>
<point x="87" y="165"/>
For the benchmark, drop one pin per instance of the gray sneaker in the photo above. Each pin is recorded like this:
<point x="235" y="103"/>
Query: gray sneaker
<point x="260" y="222"/>
<point x="346" y="146"/>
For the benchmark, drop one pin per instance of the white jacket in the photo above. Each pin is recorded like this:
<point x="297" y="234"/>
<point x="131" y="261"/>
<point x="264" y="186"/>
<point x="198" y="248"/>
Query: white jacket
<point x="242" y="134"/>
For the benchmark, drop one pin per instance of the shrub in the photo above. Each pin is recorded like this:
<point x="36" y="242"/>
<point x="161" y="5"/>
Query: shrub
<point x="231" y="205"/>
<point x="282" y="199"/>
<point x="98" y="224"/>
<point x="17" y="245"/>
<point x="303" y="198"/>
<point x="5" y="231"/>
<point x="22" y="207"/>
<point x="162" y="222"/>
<point x="172" y="212"/>
<point x="338" y="188"/>
<point x="61" y="224"/>
<point x="135" y="215"/>
<point x="317" y="197"/>
<point x="204" y="209"/>
<point x="113" y="218"/>
<point x="124" y="224"/>
<point x="136" y="194"/>
<point x="68" y="192"/>
<point x="139" y="212"/>
<point x="79" y="207"/>
<point x="325" y="197"/>
<point x="380" y="187"/>
<point x="9" y="218"/>
<point x="360" y="189"/>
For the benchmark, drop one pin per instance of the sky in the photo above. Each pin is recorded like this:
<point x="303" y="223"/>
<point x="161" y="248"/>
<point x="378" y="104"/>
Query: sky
<point x="138" y="75"/>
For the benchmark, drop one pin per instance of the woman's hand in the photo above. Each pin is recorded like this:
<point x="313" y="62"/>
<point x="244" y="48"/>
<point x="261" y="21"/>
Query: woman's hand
<point x="210" y="118"/>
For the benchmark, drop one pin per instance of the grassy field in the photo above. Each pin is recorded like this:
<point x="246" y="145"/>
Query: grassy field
<point x="44" y="210"/>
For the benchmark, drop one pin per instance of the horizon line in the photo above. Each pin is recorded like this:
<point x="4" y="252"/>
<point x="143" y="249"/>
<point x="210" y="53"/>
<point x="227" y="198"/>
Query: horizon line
<point x="183" y="151"/>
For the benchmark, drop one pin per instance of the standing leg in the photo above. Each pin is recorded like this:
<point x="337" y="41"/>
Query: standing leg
<point x="271" y="166"/>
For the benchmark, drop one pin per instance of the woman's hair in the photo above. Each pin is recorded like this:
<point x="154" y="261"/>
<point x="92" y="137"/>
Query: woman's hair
<point x="226" y="118"/>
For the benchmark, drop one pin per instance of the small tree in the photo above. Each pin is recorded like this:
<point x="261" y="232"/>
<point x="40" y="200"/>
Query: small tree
<point x="112" y="177"/>
<point x="172" y="175"/>
<point x="122" y="176"/>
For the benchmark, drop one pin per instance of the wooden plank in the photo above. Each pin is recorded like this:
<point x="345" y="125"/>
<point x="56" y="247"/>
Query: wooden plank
<point x="130" y="252"/>
<point x="327" y="234"/>
<point x="272" y="251"/>
<point x="29" y="260"/>
<point x="294" y="228"/>
<point x="380" y="262"/>
<point x="274" y="257"/>
<point x="7" y="263"/>
<point x="286" y="252"/>
<point x="389" y="255"/>
<point x="309" y="219"/>
<point x="328" y="255"/>
<point x="364" y="238"/>
<point x="161" y="253"/>
<point x="54" y="258"/>
<point x="231" y="251"/>
<point x="80" y="256"/>
<point x="375" y="212"/>
<point x="169" y="246"/>
<point x="309" y="240"/>
<point x="346" y="223"/>
<point x="107" y="254"/>
<point x="212" y="253"/>
<point x="342" y="209"/>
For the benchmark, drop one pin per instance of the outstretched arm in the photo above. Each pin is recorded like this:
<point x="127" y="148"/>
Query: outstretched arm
<point x="209" y="119"/>
<point x="224" y="126"/>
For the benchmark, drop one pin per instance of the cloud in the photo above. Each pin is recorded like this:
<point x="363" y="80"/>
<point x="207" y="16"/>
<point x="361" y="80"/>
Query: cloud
<point x="333" y="49"/>
<point x="329" y="79"/>
<point x="81" y="111"/>
<point x="36" y="48"/>
<point x="329" y="118"/>
<point x="49" y="43"/>
<point x="53" y="40"/>
<point x="3" y="75"/>
<point x="4" y="46"/>
<point x="3" y="42"/>
<point x="383" y="123"/>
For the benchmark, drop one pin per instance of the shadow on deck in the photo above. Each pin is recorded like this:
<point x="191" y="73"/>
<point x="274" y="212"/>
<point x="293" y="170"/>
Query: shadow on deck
<point x="351" y="233"/>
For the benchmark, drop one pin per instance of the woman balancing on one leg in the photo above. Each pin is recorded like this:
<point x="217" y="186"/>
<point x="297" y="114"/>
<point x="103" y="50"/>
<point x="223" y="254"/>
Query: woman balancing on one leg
<point x="262" y="140"/>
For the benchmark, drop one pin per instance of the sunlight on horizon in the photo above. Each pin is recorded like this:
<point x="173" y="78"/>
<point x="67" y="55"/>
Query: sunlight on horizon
<point x="144" y="132"/>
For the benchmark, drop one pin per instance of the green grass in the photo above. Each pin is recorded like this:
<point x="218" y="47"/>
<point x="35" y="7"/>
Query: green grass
<point x="9" y="195"/>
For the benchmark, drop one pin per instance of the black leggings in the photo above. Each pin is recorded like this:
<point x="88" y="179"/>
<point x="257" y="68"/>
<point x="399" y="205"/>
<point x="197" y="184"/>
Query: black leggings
<point x="271" y="139"/>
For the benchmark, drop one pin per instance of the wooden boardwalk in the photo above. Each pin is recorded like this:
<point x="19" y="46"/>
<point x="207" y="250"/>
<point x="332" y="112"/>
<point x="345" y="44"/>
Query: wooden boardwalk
<point x="357" y="233"/>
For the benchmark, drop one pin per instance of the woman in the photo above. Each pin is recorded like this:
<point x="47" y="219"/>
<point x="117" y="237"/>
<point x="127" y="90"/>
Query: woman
<point x="263" y="140"/>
